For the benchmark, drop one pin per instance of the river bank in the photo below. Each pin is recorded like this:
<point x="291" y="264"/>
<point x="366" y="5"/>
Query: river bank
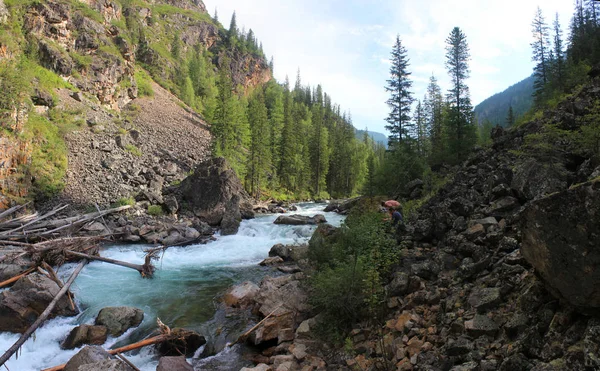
<point x="183" y="293"/>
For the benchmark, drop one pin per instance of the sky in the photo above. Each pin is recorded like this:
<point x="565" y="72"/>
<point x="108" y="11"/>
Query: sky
<point x="345" y="45"/>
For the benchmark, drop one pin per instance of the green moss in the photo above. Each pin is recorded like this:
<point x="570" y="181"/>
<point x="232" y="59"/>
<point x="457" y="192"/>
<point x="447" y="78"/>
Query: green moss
<point x="155" y="210"/>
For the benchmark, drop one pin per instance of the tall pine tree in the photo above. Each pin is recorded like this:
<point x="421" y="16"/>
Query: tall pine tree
<point x="401" y="98"/>
<point x="541" y="53"/>
<point x="461" y="131"/>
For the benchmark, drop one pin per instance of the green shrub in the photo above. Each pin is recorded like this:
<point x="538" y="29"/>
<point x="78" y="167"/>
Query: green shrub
<point x="155" y="210"/>
<point x="133" y="150"/>
<point x="48" y="158"/>
<point x="125" y="201"/>
<point x="144" y="83"/>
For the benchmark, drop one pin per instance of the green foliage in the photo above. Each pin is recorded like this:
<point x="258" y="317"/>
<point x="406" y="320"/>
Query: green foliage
<point x="133" y="150"/>
<point x="351" y="268"/>
<point x="87" y="12"/>
<point x="49" y="156"/>
<point x="155" y="210"/>
<point x="144" y="83"/>
<point x="81" y="61"/>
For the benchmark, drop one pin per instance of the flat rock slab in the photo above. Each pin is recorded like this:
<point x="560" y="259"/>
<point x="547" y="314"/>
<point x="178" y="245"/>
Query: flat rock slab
<point x="173" y="364"/>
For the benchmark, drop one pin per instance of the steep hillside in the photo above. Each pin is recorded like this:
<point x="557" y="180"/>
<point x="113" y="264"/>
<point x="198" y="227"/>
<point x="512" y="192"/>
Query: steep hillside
<point x="72" y="74"/>
<point x="495" y="108"/>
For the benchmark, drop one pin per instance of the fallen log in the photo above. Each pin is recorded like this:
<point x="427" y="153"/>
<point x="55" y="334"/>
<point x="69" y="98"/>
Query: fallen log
<point x="127" y="348"/>
<point x="16" y="278"/>
<point x="47" y="215"/>
<point x="54" y="277"/>
<point x="6" y="356"/>
<point x="146" y="270"/>
<point x="12" y="210"/>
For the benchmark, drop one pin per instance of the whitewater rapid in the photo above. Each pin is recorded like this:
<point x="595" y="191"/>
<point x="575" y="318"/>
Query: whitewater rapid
<point x="182" y="293"/>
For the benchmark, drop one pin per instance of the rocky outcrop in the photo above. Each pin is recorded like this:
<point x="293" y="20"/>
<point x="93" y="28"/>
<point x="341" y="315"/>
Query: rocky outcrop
<point x="242" y="295"/>
<point x="558" y="240"/>
<point x="119" y="319"/>
<point x="213" y="193"/>
<point x="300" y="219"/>
<point x="64" y="33"/>
<point x="27" y="299"/>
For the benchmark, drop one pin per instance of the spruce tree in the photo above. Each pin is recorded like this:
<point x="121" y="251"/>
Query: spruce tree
<point x="434" y="112"/>
<point x="510" y="117"/>
<point x="559" y="56"/>
<point x="260" y="154"/>
<point x="401" y="98"/>
<point x="319" y="144"/>
<point x="232" y="33"/>
<point x="541" y="53"/>
<point x="461" y="131"/>
<point x="421" y="129"/>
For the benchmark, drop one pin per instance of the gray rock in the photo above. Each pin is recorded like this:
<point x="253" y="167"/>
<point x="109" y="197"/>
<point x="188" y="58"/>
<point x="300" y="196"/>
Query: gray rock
<point x="230" y="223"/>
<point x="459" y="346"/>
<point x="400" y="284"/>
<point x="171" y="204"/>
<point x="469" y="366"/>
<point x="282" y="251"/>
<point x="485" y="299"/>
<point x="85" y="334"/>
<point x="87" y="355"/>
<point x="481" y="325"/>
<point x="173" y="364"/>
<point x="242" y="295"/>
<point x="558" y="241"/>
<point x="119" y="319"/>
<point x="27" y="299"/>
<point x="208" y="191"/>
<point x="106" y="365"/>
<point x="300" y="219"/>
<point x="533" y="179"/>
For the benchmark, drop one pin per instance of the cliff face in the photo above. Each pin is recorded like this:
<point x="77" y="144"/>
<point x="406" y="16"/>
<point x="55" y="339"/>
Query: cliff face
<point x="95" y="50"/>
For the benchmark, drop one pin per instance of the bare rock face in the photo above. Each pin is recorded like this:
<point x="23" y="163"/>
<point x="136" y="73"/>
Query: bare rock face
<point x="119" y="319"/>
<point x="211" y="194"/>
<point x="560" y="239"/>
<point x="27" y="299"/>
<point x="242" y="295"/>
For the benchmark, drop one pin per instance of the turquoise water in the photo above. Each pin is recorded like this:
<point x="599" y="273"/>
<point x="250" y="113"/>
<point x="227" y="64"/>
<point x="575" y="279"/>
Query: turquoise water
<point x="184" y="292"/>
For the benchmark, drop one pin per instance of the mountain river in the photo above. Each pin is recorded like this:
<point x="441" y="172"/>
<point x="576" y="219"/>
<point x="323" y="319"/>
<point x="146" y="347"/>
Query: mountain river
<point x="183" y="293"/>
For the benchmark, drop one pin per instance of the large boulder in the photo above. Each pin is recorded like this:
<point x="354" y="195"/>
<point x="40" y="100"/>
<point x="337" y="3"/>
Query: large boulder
<point x="210" y="189"/>
<point x="300" y="219"/>
<point x="85" y="334"/>
<point x="533" y="179"/>
<point x="27" y="299"/>
<point x="242" y="295"/>
<point x="94" y="358"/>
<point x="119" y="319"/>
<point x="173" y="364"/>
<point x="559" y="239"/>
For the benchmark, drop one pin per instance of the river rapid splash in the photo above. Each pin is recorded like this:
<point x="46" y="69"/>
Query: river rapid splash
<point x="183" y="292"/>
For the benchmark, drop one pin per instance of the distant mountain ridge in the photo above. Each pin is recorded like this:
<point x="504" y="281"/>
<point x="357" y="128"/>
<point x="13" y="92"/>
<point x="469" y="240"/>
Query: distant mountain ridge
<point x="495" y="108"/>
<point x="377" y="137"/>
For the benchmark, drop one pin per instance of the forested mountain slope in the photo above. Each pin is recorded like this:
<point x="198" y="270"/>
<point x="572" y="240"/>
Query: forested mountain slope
<point x="77" y="77"/>
<point x="495" y="108"/>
